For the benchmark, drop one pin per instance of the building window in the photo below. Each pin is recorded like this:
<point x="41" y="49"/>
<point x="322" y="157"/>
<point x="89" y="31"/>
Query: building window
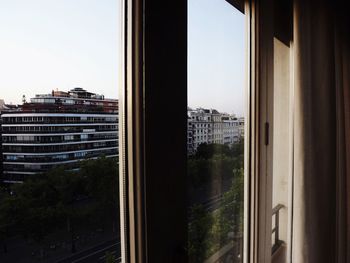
<point x="69" y="137"/>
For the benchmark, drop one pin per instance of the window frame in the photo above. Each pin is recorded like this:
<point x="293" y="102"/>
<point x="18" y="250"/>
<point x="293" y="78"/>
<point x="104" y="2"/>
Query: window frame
<point x="142" y="165"/>
<point x="262" y="85"/>
<point x="153" y="27"/>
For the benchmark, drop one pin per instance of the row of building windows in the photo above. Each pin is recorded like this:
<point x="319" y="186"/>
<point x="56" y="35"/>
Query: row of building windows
<point x="51" y="119"/>
<point x="71" y="101"/>
<point x="58" y="157"/>
<point x="37" y="167"/>
<point x="58" y="129"/>
<point x="58" y="148"/>
<point x="58" y="139"/>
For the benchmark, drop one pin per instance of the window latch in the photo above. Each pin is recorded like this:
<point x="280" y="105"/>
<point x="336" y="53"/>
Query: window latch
<point x="267" y="131"/>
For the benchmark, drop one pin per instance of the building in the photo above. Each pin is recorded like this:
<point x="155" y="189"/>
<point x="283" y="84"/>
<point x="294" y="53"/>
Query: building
<point x="4" y="108"/>
<point x="2" y="105"/>
<point x="61" y="128"/>
<point x="210" y="126"/>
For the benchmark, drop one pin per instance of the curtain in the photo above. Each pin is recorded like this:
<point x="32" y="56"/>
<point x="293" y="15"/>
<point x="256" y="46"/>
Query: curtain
<point x="321" y="202"/>
<point x="342" y="75"/>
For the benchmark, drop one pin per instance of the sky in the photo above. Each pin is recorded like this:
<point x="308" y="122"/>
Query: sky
<point x="216" y="56"/>
<point x="58" y="44"/>
<point x="62" y="44"/>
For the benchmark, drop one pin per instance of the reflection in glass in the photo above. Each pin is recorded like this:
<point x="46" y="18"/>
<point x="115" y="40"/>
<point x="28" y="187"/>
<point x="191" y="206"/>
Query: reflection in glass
<point x="215" y="141"/>
<point x="281" y="163"/>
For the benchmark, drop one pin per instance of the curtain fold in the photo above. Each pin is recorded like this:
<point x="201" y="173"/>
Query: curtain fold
<point x="342" y="70"/>
<point x="321" y="219"/>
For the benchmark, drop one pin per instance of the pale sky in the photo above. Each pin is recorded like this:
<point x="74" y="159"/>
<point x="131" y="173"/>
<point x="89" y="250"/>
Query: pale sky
<point x="216" y="56"/>
<point x="58" y="44"/>
<point x="61" y="44"/>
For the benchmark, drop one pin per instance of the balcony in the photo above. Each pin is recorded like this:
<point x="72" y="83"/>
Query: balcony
<point x="58" y="140"/>
<point x="58" y="129"/>
<point x="68" y="148"/>
<point x="45" y="159"/>
<point x="278" y="250"/>
<point x="59" y="122"/>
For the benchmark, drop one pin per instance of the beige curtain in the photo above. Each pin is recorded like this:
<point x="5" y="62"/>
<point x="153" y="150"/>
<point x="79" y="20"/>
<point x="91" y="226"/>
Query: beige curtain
<point x="321" y="221"/>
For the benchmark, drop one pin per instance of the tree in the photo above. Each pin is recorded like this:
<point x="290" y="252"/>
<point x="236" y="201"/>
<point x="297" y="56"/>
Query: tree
<point x="102" y="176"/>
<point x="110" y="258"/>
<point x="206" y="151"/>
<point x="43" y="204"/>
<point x="212" y="167"/>
<point x="46" y="203"/>
<point x="231" y="209"/>
<point x="32" y="209"/>
<point x="198" y="233"/>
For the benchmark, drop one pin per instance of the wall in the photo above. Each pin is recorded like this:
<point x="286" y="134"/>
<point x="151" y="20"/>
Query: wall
<point x="281" y="133"/>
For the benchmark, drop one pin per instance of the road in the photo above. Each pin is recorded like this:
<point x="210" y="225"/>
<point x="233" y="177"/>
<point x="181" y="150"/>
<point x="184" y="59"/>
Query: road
<point x="96" y="254"/>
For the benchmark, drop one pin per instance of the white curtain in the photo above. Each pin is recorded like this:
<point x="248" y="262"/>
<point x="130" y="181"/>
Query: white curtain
<point x="321" y="222"/>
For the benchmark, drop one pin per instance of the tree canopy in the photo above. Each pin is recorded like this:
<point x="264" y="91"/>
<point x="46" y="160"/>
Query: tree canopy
<point x="61" y="199"/>
<point x="215" y="166"/>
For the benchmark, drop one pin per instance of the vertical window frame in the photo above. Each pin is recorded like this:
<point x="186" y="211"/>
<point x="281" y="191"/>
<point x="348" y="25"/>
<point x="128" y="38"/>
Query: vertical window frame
<point x="151" y="27"/>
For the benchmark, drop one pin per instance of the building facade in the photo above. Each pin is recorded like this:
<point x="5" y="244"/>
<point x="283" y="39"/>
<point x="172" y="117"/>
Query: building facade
<point x="61" y="128"/>
<point x="210" y="126"/>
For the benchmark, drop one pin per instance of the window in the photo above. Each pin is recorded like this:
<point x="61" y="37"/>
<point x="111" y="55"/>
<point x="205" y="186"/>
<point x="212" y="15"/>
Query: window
<point x="69" y="137"/>
<point x="155" y="166"/>
<point x="59" y="192"/>
<point x="80" y="154"/>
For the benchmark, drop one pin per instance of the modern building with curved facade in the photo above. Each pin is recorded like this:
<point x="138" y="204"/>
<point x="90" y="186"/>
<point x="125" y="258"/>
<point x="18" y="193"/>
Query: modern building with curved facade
<point x="58" y="129"/>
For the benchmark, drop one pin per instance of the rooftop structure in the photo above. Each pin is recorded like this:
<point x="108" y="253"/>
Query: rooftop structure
<point x="75" y="100"/>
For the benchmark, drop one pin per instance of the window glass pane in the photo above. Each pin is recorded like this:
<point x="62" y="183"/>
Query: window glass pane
<point x="215" y="141"/>
<point x="59" y="181"/>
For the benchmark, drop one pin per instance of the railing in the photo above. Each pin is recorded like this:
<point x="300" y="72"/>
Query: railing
<point x="52" y="159"/>
<point x="277" y="242"/>
<point x="15" y="149"/>
<point x="59" y="130"/>
<point x="60" y="122"/>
